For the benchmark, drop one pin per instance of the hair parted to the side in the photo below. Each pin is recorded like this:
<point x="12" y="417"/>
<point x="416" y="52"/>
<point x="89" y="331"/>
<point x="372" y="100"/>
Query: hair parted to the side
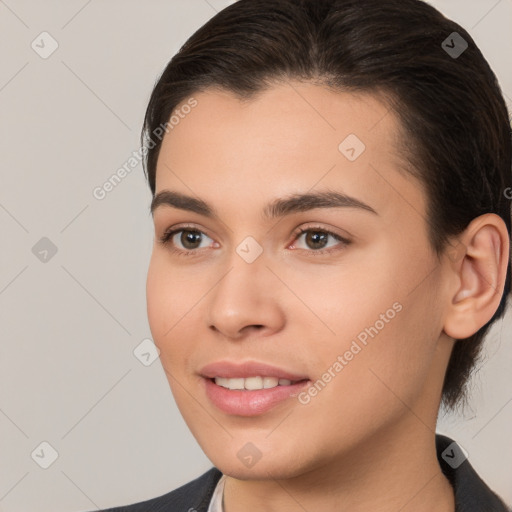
<point x="456" y="132"/>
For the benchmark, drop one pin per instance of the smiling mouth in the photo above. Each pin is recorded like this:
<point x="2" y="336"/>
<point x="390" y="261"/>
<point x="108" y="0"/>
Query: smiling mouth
<point x="251" y="396"/>
<point x="253" y="383"/>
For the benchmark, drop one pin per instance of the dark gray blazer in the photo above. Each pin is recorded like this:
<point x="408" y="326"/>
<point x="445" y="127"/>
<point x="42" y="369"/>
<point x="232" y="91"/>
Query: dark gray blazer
<point x="471" y="493"/>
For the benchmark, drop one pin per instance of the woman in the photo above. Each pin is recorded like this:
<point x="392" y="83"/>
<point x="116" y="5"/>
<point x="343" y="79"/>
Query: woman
<point x="332" y="243"/>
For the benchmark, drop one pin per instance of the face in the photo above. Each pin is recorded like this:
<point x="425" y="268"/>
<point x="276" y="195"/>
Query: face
<point x="266" y="277"/>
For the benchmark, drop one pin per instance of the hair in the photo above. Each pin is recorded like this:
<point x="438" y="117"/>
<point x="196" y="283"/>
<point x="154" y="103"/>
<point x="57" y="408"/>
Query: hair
<point x="456" y="133"/>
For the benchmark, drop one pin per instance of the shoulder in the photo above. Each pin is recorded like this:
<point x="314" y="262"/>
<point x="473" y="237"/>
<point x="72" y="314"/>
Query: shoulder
<point x="194" y="496"/>
<point x="471" y="492"/>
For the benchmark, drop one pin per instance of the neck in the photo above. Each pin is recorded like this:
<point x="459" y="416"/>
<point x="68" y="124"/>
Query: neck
<point x="395" y="470"/>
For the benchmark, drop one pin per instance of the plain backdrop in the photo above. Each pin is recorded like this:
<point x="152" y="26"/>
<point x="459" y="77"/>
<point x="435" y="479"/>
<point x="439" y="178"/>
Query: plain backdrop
<point x="73" y="268"/>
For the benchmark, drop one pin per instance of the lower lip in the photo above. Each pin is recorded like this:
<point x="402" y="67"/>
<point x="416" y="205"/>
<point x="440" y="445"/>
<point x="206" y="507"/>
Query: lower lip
<point x="250" y="403"/>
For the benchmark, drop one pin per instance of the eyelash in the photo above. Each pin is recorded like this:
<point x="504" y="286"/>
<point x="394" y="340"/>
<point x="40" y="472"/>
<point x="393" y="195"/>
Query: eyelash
<point x="167" y="236"/>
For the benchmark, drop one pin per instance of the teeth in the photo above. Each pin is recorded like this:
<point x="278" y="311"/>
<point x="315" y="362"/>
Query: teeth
<point x="251" y="383"/>
<point x="235" y="383"/>
<point x="222" y="381"/>
<point x="270" y="382"/>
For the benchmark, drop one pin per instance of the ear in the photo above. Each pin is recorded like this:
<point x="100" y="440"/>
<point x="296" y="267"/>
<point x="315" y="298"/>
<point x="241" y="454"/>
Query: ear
<point x="478" y="265"/>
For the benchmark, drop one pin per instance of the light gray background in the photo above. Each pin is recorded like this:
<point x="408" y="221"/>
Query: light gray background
<point x="68" y="375"/>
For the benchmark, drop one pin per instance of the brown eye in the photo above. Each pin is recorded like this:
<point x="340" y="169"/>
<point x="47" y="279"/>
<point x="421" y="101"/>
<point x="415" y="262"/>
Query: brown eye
<point x="189" y="238"/>
<point x="185" y="240"/>
<point x="316" y="240"/>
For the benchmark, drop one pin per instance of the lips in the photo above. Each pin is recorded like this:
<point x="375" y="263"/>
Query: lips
<point x="226" y="386"/>
<point x="248" y="369"/>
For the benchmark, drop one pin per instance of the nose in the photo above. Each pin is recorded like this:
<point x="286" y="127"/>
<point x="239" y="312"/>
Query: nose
<point x="247" y="301"/>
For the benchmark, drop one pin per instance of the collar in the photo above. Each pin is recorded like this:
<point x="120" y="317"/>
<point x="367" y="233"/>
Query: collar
<point x="471" y="493"/>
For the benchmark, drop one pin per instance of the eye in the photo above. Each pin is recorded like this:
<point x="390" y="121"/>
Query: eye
<point x="316" y="239"/>
<point x="190" y="239"/>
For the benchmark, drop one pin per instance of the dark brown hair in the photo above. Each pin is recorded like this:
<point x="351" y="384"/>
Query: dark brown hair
<point x="457" y="136"/>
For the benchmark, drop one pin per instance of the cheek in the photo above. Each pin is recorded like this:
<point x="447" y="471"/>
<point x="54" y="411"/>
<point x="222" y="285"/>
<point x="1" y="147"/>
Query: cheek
<point x="346" y="298"/>
<point x="168" y="301"/>
<point x="378" y="376"/>
<point x="157" y="300"/>
<point x="385" y="329"/>
<point x="398" y="347"/>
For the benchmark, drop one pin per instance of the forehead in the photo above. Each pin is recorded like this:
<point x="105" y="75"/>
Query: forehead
<point x="291" y="137"/>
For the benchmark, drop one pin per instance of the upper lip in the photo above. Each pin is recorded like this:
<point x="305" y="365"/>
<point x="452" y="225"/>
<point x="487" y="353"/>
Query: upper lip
<point x="246" y="369"/>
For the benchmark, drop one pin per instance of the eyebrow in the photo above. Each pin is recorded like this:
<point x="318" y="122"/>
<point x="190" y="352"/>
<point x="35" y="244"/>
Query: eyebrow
<point x="277" y="208"/>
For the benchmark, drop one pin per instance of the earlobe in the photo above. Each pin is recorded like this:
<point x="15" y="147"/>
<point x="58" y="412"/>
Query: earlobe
<point x="481" y="273"/>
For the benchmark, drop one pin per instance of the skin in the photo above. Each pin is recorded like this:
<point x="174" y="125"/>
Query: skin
<point x="367" y="440"/>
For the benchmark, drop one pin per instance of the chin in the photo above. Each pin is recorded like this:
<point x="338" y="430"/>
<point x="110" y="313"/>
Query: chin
<point x="262" y="470"/>
<point x="262" y="463"/>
